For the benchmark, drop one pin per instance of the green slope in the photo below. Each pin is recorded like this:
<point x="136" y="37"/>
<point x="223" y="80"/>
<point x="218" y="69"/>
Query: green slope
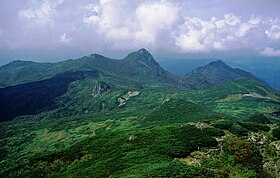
<point x="146" y="137"/>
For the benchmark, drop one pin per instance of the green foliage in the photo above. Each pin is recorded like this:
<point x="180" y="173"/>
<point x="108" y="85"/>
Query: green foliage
<point x="113" y="153"/>
<point x="224" y="125"/>
<point x="243" y="151"/>
<point x="215" y="132"/>
<point x="255" y="127"/>
<point x="238" y="130"/>
<point x="183" y="140"/>
<point x="276" y="133"/>
<point x="259" y="119"/>
<point x="178" y="110"/>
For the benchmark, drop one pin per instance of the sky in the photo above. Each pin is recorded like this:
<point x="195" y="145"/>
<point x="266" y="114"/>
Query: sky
<point x="52" y="30"/>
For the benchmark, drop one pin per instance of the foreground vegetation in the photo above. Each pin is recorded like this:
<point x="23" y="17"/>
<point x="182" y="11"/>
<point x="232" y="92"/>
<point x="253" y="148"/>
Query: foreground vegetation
<point x="159" y="133"/>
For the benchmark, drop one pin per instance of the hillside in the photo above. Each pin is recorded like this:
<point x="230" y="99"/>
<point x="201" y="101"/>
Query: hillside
<point x="100" y="117"/>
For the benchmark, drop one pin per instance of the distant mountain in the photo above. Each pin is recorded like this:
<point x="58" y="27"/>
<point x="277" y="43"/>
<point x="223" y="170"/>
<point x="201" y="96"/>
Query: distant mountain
<point x="214" y="73"/>
<point x="264" y="68"/>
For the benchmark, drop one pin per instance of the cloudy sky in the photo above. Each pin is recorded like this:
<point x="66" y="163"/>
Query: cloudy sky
<point x="45" y="30"/>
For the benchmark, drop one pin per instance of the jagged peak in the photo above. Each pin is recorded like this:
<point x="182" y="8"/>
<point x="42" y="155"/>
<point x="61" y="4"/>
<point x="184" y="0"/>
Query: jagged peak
<point x="141" y="55"/>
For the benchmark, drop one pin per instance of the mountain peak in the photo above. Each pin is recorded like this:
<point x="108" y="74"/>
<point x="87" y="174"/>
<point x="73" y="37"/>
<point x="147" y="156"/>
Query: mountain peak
<point x="217" y="63"/>
<point x="143" y="51"/>
<point x="142" y="56"/>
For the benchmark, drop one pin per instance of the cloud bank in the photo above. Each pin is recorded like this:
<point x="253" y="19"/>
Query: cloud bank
<point x="128" y="25"/>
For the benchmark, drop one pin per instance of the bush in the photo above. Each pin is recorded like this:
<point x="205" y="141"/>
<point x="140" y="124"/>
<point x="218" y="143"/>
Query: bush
<point x="178" y="111"/>
<point x="225" y="125"/>
<point x="181" y="141"/>
<point x="243" y="152"/>
<point x="260" y="119"/>
<point x="276" y="133"/>
<point x="254" y="127"/>
<point x="240" y="149"/>
<point x="238" y="130"/>
<point x="215" y="132"/>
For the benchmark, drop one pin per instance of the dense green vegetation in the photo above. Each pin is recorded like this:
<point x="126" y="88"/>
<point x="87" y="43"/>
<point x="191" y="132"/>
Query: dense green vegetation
<point x="276" y="133"/>
<point x="259" y="118"/>
<point x="178" y="110"/>
<point x="103" y="118"/>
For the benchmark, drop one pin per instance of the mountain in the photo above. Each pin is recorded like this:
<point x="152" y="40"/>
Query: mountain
<point x="29" y="88"/>
<point x="264" y="68"/>
<point x="49" y="86"/>
<point x="100" y="117"/>
<point x="214" y="73"/>
<point x="138" y="64"/>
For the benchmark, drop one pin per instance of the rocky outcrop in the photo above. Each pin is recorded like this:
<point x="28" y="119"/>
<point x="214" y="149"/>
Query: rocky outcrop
<point x="100" y="88"/>
<point x="122" y="100"/>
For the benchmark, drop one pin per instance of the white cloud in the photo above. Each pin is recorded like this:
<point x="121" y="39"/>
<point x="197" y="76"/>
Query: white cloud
<point x="255" y="20"/>
<point x="270" y="52"/>
<point x="64" y="39"/>
<point x="231" y="19"/>
<point x="93" y="12"/>
<point x="197" y="35"/>
<point x="42" y="13"/>
<point x="273" y="32"/>
<point x="228" y="33"/>
<point x="140" y="24"/>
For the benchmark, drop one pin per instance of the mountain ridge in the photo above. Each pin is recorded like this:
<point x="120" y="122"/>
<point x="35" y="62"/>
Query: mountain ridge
<point x="138" y="63"/>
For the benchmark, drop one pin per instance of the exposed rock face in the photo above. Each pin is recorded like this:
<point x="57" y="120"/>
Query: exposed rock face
<point x="100" y="88"/>
<point x="122" y="100"/>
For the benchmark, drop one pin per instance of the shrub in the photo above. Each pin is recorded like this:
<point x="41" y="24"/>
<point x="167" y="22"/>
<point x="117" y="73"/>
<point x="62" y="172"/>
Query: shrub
<point x="276" y="133"/>
<point x="181" y="141"/>
<point x="254" y="127"/>
<point x="236" y="129"/>
<point x="244" y="152"/>
<point x="216" y="132"/>
<point x="260" y="119"/>
<point x="225" y="125"/>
